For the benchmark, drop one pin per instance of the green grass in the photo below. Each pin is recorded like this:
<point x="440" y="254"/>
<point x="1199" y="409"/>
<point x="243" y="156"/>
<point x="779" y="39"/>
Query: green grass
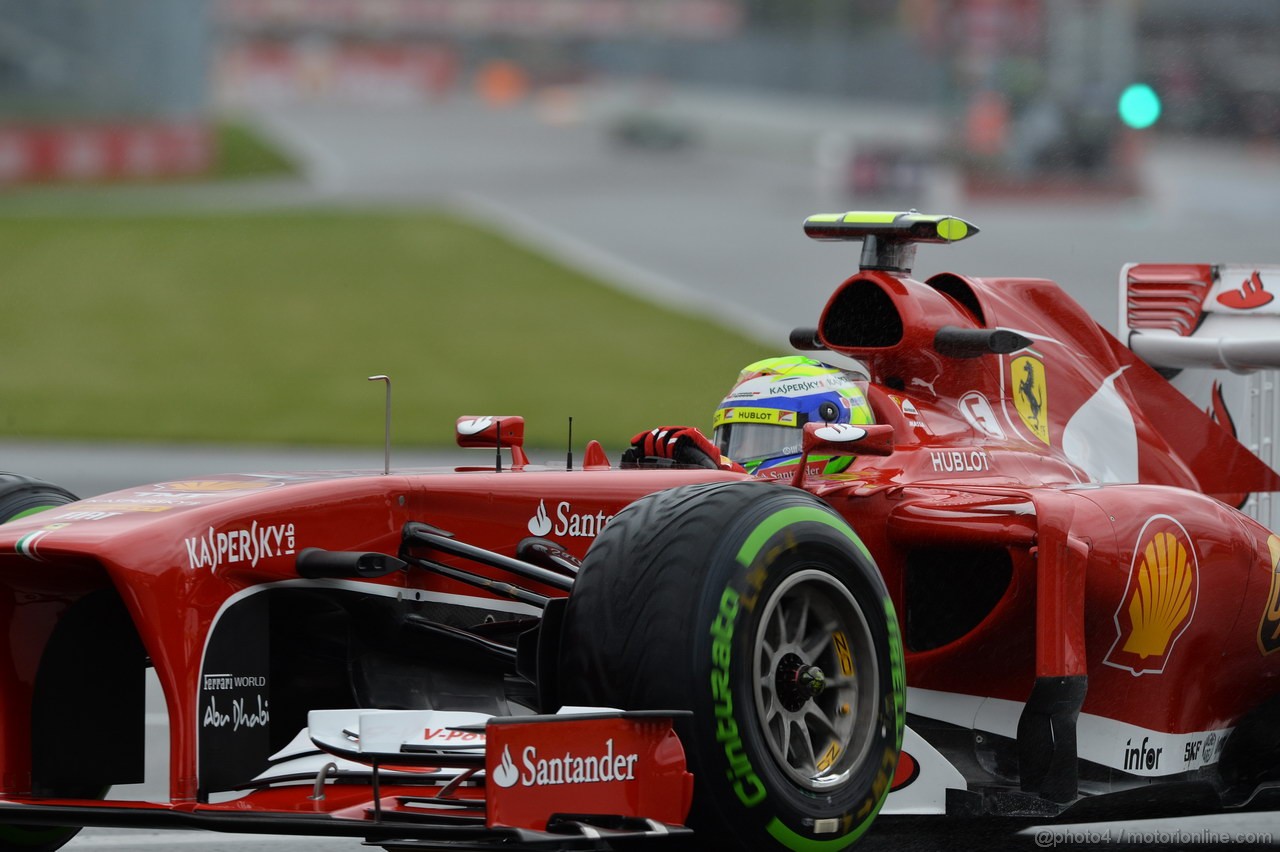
<point x="242" y="153"/>
<point x="264" y="327"/>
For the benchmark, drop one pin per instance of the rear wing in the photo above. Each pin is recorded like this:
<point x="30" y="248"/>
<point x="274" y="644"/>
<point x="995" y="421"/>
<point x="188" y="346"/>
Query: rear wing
<point x="1201" y="316"/>
<point x="1213" y="330"/>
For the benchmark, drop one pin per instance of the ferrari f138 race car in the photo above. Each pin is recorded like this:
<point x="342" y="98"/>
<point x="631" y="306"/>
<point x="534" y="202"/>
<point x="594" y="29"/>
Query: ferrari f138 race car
<point x="1042" y="578"/>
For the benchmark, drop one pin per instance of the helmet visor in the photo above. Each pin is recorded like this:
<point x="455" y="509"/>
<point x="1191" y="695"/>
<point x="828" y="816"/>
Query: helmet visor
<point x="749" y="442"/>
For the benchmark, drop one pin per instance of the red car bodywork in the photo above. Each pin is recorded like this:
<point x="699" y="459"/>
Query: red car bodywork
<point x="1013" y="555"/>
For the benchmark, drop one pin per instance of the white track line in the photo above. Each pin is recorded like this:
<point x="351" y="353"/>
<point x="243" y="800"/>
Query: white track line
<point x="622" y="274"/>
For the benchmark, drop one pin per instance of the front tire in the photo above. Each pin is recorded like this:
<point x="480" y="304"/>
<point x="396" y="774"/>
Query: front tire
<point x="756" y="607"/>
<point x="21" y="496"/>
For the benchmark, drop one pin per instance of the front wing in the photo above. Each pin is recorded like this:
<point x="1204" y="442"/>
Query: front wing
<point x="430" y="779"/>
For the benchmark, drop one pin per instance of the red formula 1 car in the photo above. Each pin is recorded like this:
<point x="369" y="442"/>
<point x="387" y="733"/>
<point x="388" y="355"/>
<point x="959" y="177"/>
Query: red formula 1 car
<point x="1044" y="581"/>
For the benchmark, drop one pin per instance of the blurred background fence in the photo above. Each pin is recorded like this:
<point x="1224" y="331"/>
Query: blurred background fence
<point x="1028" y="91"/>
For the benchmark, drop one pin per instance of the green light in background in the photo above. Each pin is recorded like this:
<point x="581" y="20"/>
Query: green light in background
<point x="1139" y="106"/>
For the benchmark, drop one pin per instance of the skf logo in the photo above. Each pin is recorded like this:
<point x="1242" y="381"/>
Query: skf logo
<point x="1159" y="600"/>
<point x="1030" y="396"/>
<point x="1269" y="626"/>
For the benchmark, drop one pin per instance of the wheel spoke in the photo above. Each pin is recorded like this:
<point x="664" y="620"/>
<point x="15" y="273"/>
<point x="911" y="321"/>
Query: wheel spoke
<point x="808" y="722"/>
<point x="813" y="715"/>
<point x="775" y="626"/>
<point x="821" y="641"/>
<point x="802" y="621"/>
<point x="771" y="708"/>
<point x="781" y="620"/>
<point x="807" y="760"/>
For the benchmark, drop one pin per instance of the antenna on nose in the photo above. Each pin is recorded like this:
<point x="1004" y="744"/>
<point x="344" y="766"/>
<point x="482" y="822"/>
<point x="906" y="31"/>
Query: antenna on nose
<point x="386" y="454"/>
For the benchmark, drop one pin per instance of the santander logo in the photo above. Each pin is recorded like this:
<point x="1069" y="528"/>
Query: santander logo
<point x="566" y="521"/>
<point x="474" y="426"/>
<point x="506" y="775"/>
<point x="1252" y="294"/>
<point x="568" y="768"/>
<point x="540" y="523"/>
<point x="840" y="433"/>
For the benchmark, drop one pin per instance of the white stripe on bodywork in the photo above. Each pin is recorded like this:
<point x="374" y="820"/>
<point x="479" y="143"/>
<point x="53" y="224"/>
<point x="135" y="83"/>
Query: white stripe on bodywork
<point x="927" y="794"/>
<point x="1099" y="739"/>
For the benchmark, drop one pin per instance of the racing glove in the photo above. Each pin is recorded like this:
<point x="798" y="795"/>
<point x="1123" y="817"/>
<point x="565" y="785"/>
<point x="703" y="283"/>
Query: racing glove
<point x="680" y="445"/>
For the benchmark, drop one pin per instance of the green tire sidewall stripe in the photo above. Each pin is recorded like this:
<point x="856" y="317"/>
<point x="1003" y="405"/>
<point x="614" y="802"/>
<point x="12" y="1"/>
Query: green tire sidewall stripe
<point x="34" y="510"/>
<point x="767" y="528"/>
<point x="783" y="833"/>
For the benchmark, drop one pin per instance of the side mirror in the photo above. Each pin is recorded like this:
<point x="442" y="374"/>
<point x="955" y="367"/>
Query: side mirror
<point x="847" y="439"/>
<point x="490" y="431"/>
<point x="842" y="439"/>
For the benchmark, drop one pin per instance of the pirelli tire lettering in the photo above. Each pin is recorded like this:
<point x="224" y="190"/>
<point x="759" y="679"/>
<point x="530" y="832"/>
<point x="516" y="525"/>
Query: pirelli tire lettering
<point x="760" y="610"/>
<point x="746" y="784"/>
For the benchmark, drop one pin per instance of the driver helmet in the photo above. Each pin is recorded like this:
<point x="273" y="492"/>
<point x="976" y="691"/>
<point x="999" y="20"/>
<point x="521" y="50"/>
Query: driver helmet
<point x="760" y="424"/>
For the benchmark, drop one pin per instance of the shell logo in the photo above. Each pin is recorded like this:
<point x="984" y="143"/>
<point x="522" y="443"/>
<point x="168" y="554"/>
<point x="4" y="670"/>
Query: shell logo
<point x="1159" y="600"/>
<point x="1269" y="626"/>
<point x="211" y="485"/>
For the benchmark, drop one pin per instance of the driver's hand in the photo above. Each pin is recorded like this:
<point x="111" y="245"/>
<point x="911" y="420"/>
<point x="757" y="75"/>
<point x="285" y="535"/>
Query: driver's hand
<point x="679" y="444"/>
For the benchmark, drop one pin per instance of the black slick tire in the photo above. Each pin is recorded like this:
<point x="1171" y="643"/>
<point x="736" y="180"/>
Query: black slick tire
<point x="21" y="496"/>
<point x="756" y="607"/>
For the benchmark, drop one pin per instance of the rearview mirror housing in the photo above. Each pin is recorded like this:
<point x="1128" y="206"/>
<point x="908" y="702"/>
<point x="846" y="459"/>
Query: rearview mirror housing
<point x="847" y="439"/>
<point x="490" y="431"/>
<point x="842" y="439"/>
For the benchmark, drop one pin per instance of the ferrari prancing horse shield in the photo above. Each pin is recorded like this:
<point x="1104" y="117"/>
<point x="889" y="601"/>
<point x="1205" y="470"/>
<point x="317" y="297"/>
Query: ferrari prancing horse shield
<point x="1030" y="396"/>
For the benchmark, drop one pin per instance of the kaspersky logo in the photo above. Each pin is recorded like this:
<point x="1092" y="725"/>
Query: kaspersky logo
<point x="567" y="522"/>
<point x="1159" y="600"/>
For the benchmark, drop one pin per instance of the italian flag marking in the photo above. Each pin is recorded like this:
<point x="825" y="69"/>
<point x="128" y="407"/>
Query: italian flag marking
<point x="27" y="545"/>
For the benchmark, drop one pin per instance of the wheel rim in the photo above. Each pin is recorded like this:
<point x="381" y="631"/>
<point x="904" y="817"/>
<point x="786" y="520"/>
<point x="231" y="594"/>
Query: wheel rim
<point x="816" y="679"/>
